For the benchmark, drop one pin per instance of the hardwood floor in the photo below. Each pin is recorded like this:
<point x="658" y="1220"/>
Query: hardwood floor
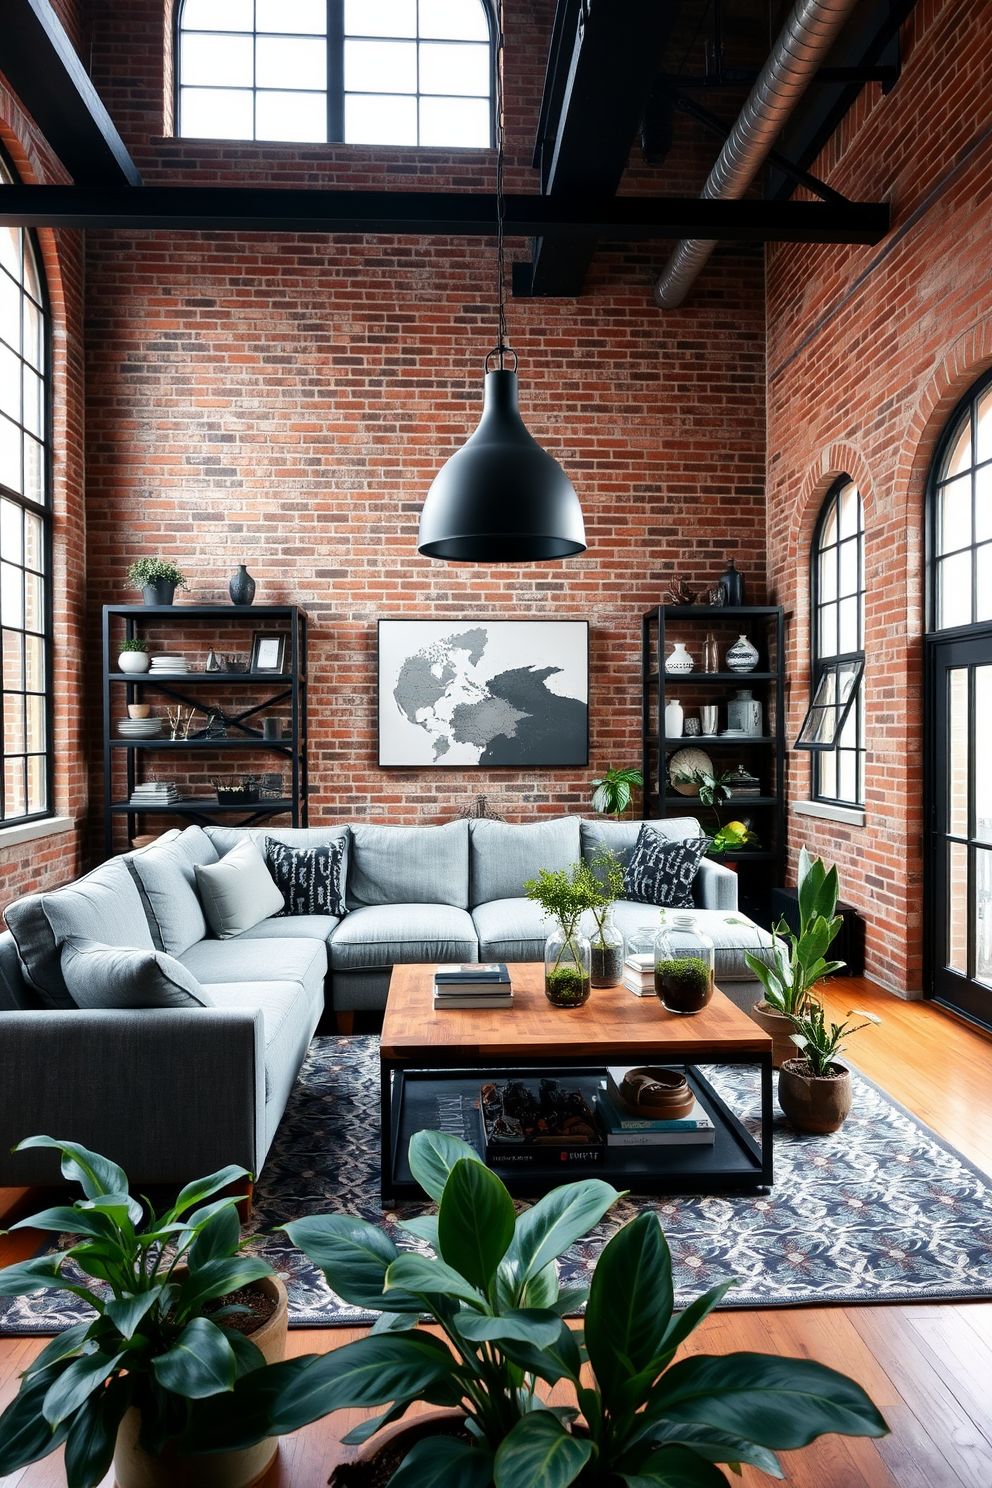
<point x="927" y="1366"/>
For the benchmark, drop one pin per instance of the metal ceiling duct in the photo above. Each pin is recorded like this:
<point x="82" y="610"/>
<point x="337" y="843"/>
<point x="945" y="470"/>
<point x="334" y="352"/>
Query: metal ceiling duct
<point x="800" y="49"/>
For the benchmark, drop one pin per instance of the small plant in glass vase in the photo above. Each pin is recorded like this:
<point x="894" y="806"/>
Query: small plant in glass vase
<point x="814" y="1090"/>
<point x="612" y="792"/>
<point x="566" y="895"/>
<point x="608" y="949"/>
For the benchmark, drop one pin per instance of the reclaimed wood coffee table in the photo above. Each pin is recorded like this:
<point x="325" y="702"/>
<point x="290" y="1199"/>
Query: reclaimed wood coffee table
<point x="432" y="1065"/>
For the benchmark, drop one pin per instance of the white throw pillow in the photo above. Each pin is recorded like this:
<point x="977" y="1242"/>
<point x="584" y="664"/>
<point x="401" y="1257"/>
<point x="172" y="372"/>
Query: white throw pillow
<point x="237" y="892"/>
<point x="102" y="976"/>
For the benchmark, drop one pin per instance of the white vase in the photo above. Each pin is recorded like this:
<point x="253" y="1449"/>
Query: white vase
<point x="133" y="661"/>
<point x="742" y="656"/>
<point x="679" y="661"/>
<point x="674" y="717"/>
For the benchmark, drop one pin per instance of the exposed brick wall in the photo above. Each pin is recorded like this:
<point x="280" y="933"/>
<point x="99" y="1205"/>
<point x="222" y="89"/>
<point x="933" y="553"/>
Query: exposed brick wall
<point x="868" y="351"/>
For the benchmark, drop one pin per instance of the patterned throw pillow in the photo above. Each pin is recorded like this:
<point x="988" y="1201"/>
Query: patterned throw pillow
<point x="662" y="872"/>
<point x="309" y="878"/>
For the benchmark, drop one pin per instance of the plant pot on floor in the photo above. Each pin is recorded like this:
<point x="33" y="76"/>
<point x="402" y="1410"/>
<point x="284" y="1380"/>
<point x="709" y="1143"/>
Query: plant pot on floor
<point x="814" y="1103"/>
<point x="377" y="1461"/>
<point x="134" y="1468"/>
<point x="781" y="1029"/>
<point x="162" y="593"/>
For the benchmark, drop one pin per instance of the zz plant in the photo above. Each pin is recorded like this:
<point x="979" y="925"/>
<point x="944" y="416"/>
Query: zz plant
<point x="799" y="961"/>
<point x="487" y="1278"/>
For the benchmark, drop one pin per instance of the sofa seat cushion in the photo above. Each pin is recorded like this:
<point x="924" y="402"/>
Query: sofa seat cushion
<point x="276" y="960"/>
<point x="388" y="934"/>
<point x="511" y="930"/>
<point x="731" y="934"/>
<point x="290" y="927"/>
<point x="504" y="857"/>
<point x="166" y="874"/>
<point x="290" y="1013"/>
<point x="400" y="865"/>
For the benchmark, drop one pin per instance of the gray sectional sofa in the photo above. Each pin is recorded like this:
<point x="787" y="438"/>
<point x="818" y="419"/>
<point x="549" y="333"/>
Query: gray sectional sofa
<point x="172" y="1092"/>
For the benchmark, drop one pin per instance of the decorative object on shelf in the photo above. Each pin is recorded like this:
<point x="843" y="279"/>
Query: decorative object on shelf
<point x="717" y="597"/>
<point x="133" y="656"/>
<point x="158" y="580"/>
<point x="235" y="790"/>
<point x="608" y="948"/>
<point x="679" y="593"/>
<point x="659" y="1094"/>
<point x="139" y="728"/>
<point x="709" y="717"/>
<point x="242" y="587"/>
<point x="482" y="692"/>
<point x="814" y="1090"/>
<point x="692" y="728"/>
<point x="744" y="713"/>
<point x="678" y="661"/>
<point x="734" y="837"/>
<point x="732" y="584"/>
<point x="180" y="722"/>
<point x="138" y="710"/>
<point x="268" y="651"/>
<point x="711" y="653"/>
<point x="612" y="792"/>
<point x="237" y="663"/>
<point x="271" y="787"/>
<point x="684" y="962"/>
<point x="566" y="895"/>
<point x="479" y="810"/>
<point x="272" y="728"/>
<point x="673" y="719"/>
<point x="214" y="662"/>
<point x="171" y="663"/>
<point x="216" y="724"/>
<point x="742" y="656"/>
<point x="684" y="767"/>
<point x="742" y="784"/>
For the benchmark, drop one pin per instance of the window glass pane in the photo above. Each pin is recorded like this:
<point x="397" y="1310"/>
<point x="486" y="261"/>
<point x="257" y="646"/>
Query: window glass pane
<point x="828" y="576"/>
<point x="453" y="68"/>
<point x="983" y="583"/>
<point x="828" y="532"/>
<point x="34" y="479"/>
<point x="34" y="601"/>
<point x="958" y="457"/>
<point x="10" y="382"/>
<point x="983" y="749"/>
<point x="983" y="916"/>
<point x="827" y="641"/>
<point x="33" y="412"/>
<point x="217" y="15"/>
<point x="848" y="557"/>
<point x="957" y="740"/>
<point x="983" y="503"/>
<point x="14" y="794"/>
<point x="11" y="542"/>
<point x="37" y="792"/>
<point x="298" y="16"/>
<point x="10" y="455"/>
<point x="954" y="515"/>
<point x="216" y="113"/>
<point x="372" y="119"/>
<point x="381" y="17"/>
<point x="983" y="432"/>
<point x="10" y="250"/>
<point x="848" y="635"/>
<point x="31" y="280"/>
<point x="13" y="724"/>
<point x="35" y="712"/>
<point x="34" y="657"/>
<point x="13" y="659"/>
<point x="33" y="346"/>
<point x="848" y="738"/>
<point x="11" y="595"/>
<point x="380" y="66"/>
<point x="291" y="116"/>
<point x="455" y="122"/>
<point x="827" y="768"/>
<point x="10" y="312"/>
<point x="290" y="62"/>
<point x="217" y="61"/>
<point x="847" y="775"/>
<point x="954" y="590"/>
<point x="849" y="503"/>
<point x="956" y="949"/>
<point x="459" y="20"/>
<point x="34" y="542"/>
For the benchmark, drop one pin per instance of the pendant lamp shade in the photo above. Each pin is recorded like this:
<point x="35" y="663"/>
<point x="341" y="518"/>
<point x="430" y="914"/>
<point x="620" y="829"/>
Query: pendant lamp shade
<point x="501" y="498"/>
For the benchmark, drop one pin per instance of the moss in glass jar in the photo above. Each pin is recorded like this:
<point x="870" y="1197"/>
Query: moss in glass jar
<point x="684" y="984"/>
<point x="566" y="986"/>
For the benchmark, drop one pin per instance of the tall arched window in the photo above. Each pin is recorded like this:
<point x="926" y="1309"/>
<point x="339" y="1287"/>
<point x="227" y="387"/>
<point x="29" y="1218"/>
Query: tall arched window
<point x="26" y="782"/>
<point x="961" y="516"/>
<point x="834" y="727"/>
<point x="380" y="72"/>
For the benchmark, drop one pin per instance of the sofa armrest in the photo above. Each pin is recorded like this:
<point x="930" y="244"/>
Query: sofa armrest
<point x="169" y="1093"/>
<point x="715" y="886"/>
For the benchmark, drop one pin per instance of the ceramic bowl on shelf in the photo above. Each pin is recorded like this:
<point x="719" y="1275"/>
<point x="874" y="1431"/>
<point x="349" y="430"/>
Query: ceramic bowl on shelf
<point x="683" y="765"/>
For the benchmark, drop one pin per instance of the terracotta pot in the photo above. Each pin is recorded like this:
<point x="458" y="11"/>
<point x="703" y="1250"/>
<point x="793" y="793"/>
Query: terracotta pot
<point x="814" y="1103"/>
<point x="399" y="1438"/>
<point x="134" y="1468"/>
<point x="781" y="1029"/>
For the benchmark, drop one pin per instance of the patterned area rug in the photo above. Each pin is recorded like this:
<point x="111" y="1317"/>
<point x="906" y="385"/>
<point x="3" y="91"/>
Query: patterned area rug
<point x="883" y="1211"/>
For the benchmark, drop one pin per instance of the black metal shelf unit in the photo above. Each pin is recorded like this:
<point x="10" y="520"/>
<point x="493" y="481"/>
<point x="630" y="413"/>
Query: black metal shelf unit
<point x="267" y="689"/>
<point x="759" y="870"/>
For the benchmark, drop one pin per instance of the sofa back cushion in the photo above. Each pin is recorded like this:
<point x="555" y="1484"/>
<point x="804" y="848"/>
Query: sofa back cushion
<point x="621" y="837"/>
<point x="226" y="838"/>
<point x="238" y="891"/>
<point x="104" y="905"/>
<point x="165" y="872"/>
<point x="409" y="865"/>
<point x="102" y="976"/>
<point x="504" y="857"/>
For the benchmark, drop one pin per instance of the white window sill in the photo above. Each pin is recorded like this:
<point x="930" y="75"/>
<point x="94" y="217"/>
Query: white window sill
<point x="853" y="816"/>
<point x="11" y="836"/>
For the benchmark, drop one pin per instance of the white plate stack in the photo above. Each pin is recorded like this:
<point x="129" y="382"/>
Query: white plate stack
<point x="167" y="661"/>
<point x="139" y="728"/>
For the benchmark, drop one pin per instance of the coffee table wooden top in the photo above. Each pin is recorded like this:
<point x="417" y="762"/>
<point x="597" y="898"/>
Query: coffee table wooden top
<point x="611" y="1022"/>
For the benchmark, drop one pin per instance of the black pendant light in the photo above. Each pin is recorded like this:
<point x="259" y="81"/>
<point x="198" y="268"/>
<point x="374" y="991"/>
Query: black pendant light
<point x="501" y="498"/>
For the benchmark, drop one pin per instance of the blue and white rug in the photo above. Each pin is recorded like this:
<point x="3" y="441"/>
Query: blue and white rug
<point x="882" y="1211"/>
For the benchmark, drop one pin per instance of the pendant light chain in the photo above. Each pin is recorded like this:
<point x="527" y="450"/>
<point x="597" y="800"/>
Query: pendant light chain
<point x="502" y="346"/>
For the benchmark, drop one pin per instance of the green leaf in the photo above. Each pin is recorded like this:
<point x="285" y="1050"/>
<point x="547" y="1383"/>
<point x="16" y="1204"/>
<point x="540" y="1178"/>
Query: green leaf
<point x="432" y="1155"/>
<point x="475" y="1222"/>
<point x="395" y="1322"/>
<point x="217" y="1238"/>
<point x="688" y="1320"/>
<point x="423" y="1227"/>
<point x="559" y="1360"/>
<point x="25" y="1435"/>
<point x="538" y="1450"/>
<point x="557" y="1221"/>
<point x="715" y="1446"/>
<point x="247" y="1355"/>
<point x="675" y="1467"/>
<point x="354" y="1256"/>
<point x="61" y="1347"/>
<point x="218" y="1277"/>
<point x="442" y="1462"/>
<point x="127" y="1312"/>
<point x="97" y="1175"/>
<point x="538" y="1326"/>
<point x="32" y="1276"/>
<point x="75" y="1383"/>
<point x="570" y="1299"/>
<point x="66" y="1218"/>
<point x="89" y="1447"/>
<point x="417" y="1273"/>
<point x="202" y="1188"/>
<point x="200" y="1363"/>
<point x="630" y="1303"/>
<point x="361" y="1433"/>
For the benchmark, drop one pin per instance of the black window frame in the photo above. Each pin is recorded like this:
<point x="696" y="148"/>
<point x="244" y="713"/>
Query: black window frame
<point x="966" y="406"/>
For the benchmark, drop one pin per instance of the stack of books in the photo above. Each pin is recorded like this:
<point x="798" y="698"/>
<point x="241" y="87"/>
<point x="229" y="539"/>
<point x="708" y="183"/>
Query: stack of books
<point x="638" y="974"/>
<point x="472" y="984"/>
<point x="154" y="793"/>
<point x="624" y="1128"/>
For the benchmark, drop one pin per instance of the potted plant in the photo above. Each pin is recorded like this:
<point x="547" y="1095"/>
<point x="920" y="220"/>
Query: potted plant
<point x="133" y="656"/>
<point x="606" y="941"/>
<point x="565" y="895"/>
<point x="612" y="792"/>
<point x="625" y="1411"/>
<point x="814" y="1091"/>
<point x="180" y="1316"/>
<point x="157" y="578"/>
<point x="797" y="962"/>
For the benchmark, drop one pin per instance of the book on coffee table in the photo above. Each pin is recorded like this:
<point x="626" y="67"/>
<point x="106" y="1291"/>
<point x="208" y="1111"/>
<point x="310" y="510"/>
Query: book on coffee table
<point x="472" y="984"/>
<point x="622" y="1130"/>
<point x="552" y="1124"/>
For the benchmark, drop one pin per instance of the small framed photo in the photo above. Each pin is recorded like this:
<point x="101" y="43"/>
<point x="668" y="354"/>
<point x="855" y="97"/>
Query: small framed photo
<point x="268" y="651"/>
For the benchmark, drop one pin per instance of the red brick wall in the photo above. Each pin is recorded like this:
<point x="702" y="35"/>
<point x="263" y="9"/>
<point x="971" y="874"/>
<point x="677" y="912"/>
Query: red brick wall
<point x="868" y="351"/>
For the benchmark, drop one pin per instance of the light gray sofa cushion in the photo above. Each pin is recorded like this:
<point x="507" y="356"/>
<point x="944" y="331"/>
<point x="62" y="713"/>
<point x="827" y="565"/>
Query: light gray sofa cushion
<point x="290" y="1012"/>
<point x="102" y="976"/>
<point x="166" y="873"/>
<point x="237" y="891"/>
<point x="218" y="961"/>
<point x="504" y="857"/>
<point x="511" y="930"/>
<point x="386" y="934"/>
<point x="409" y="865"/>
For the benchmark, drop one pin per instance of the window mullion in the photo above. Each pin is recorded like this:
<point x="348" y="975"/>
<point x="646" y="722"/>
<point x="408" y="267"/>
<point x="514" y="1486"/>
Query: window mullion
<point x="335" y="71"/>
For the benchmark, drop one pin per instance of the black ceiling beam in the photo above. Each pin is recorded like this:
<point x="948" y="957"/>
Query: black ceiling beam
<point x="40" y="64"/>
<point x="420" y="213"/>
<point x="602" y="63"/>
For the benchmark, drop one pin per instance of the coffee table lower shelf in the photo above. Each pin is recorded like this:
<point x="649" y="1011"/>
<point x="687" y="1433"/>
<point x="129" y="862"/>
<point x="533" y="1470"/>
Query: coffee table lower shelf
<point x="448" y="1100"/>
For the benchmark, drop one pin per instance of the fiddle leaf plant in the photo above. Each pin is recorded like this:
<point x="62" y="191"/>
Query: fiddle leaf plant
<point x="795" y="963"/>
<point x="613" y="791"/>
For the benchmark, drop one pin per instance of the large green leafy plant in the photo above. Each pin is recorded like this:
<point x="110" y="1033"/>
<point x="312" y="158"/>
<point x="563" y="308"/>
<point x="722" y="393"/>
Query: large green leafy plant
<point x="798" y="962"/>
<point x="612" y="792"/>
<point x="490" y="1284"/>
<point x="151" y="1278"/>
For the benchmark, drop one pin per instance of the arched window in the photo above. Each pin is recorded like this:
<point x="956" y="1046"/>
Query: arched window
<point x="380" y="72"/>
<point x="834" y="728"/>
<point x="961" y="516"/>
<point x="25" y="520"/>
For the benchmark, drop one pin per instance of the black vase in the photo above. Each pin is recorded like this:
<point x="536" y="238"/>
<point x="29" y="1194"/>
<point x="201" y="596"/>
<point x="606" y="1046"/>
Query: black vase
<point x="160" y="593"/>
<point x="732" y="584"/>
<point x="242" y="587"/>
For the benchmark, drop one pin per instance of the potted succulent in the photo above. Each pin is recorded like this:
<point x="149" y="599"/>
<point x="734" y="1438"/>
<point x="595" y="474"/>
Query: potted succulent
<point x="606" y="941"/>
<point x="612" y="792"/>
<point x="180" y="1316"/>
<point x="565" y="895"/>
<point x="157" y="578"/>
<point x="814" y="1091"/>
<point x="625" y="1410"/>
<point x="133" y="656"/>
<point x="797" y="962"/>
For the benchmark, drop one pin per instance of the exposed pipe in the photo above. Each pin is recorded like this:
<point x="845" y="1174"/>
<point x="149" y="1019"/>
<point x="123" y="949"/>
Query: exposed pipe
<point x="803" y="44"/>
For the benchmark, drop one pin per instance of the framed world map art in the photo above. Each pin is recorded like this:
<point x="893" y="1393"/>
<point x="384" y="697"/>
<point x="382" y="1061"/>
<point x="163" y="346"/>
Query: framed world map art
<point x="457" y="693"/>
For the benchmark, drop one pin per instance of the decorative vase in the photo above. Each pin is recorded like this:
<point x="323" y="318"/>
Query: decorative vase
<point x="162" y="593"/>
<point x="213" y="663"/>
<point x="742" y="656"/>
<point x="744" y="713"/>
<point x="732" y="584"/>
<point x="567" y="968"/>
<point x="674" y="717"/>
<point x="814" y="1103"/>
<point x="607" y="951"/>
<point x="781" y="1029"/>
<point x="242" y="587"/>
<point x="133" y="661"/>
<point x="711" y="652"/>
<point x="684" y="960"/>
<point x="679" y="661"/>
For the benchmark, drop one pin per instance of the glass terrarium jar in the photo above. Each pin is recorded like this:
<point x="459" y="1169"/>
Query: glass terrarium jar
<point x="567" y="968"/>
<point x="683" y="965"/>
<point x="608" y="951"/>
